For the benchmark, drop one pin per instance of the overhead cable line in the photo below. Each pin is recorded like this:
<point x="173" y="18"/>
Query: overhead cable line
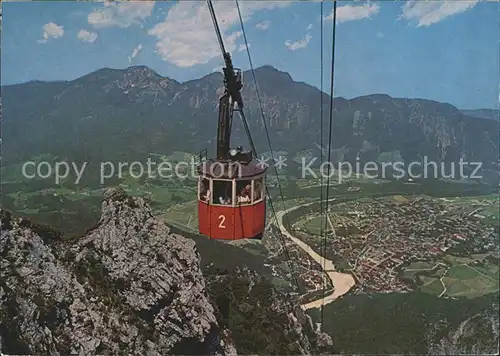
<point x="287" y="254"/>
<point x="217" y="30"/>
<point x="247" y="130"/>
<point x="321" y="212"/>
<point x="259" y="100"/>
<point x="269" y="142"/>
<point x="329" y="141"/>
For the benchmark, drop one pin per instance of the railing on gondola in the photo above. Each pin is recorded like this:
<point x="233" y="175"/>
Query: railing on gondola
<point x="203" y="155"/>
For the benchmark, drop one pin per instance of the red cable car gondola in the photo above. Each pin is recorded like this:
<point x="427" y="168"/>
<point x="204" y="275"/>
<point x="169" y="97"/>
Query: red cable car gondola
<point x="231" y="194"/>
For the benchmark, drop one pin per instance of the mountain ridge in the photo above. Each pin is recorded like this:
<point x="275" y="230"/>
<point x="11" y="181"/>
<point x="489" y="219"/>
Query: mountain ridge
<point x="248" y="74"/>
<point x="135" y="111"/>
<point x="490" y="114"/>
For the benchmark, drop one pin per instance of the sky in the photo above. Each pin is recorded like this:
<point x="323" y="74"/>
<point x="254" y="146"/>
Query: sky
<point x="443" y="51"/>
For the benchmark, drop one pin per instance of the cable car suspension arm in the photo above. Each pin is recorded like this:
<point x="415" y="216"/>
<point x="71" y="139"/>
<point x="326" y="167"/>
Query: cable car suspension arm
<point x="232" y="94"/>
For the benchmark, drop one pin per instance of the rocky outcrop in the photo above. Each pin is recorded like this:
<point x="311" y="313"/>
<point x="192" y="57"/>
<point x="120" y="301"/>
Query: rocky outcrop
<point x="263" y="320"/>
<point x="313" y="340"/>
<point x="128" y="286"/>
<point x="477" y="335"/>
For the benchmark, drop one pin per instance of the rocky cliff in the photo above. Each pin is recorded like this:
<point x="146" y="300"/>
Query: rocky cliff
<point x="477" y="335"/>
<point x="262" y="320"/>
<point x="128" y="286"/>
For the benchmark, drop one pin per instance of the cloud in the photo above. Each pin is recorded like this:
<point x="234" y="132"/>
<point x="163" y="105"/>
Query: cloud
<point x="135" y="52"/>
<point x="51" y="30"/>
<point x="293" y="46"/>
<point x="380" y="34"/>
<point x="309" y="27"/>
<point x="354" y="12"/>
<point x="243" y="47"/>
<point x="428" y="13"/>
<point x="122" y="14"/>
<point x="87" y="36"/>
<point x="187" y="36"/>
<point x="263" y="25"/>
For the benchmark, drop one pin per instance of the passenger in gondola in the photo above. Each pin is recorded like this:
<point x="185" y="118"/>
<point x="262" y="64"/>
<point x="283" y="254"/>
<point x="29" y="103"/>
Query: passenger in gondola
<point x="244" y="195"/>
<point x="257" y="191"/>
<point x="225" y="199"/>
<point x="207" y="195"/>
<point x="205" y="191"/>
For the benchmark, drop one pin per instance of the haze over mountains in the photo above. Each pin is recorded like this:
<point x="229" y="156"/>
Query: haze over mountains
<point x="125" y="114"/>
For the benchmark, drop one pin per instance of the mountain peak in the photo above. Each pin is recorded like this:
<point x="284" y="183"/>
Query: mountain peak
<point x="143" y="71"/>
<point x="377" y="97"/>
<point x="270" y="73"/>
<point x="139" y="75"/>
<point x="149" y="272"/>
<point x="267" y="67"/>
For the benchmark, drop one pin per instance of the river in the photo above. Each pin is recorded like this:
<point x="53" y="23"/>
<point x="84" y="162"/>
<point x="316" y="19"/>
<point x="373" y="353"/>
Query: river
<point x="342" y="282"/>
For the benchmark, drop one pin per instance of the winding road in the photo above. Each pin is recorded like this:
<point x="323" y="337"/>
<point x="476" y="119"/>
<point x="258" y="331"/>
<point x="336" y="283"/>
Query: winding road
<point x="342" y="282"/>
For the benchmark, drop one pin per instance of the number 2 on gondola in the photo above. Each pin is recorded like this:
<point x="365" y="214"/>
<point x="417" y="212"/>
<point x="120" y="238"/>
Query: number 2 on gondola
<point x="222" y="219"/>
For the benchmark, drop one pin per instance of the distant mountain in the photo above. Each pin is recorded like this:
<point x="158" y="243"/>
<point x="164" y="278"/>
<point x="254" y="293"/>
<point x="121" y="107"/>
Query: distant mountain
<point x="126" y="114"/>
<point x="489" y="114"/>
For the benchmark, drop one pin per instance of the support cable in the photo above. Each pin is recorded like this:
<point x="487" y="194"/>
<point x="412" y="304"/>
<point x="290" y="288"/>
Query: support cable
<point x="260" y="101"/>
<point x="224" y="54"/>
<point x="217" y="30"/>
<point x="321" y="214"/>
<point x="271" y="205"/>
<point x="329" y="140"/>
<point x="268" y="140"/>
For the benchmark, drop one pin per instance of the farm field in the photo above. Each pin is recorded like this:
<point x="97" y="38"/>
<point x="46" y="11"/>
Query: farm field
<point x="314" y="226"/>
<point x="485" y="206"/>
<point x="183" y="216"/>
<point x="464" y="277"/>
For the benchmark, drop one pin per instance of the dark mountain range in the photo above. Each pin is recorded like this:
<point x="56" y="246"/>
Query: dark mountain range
<point x="125" y="114"/>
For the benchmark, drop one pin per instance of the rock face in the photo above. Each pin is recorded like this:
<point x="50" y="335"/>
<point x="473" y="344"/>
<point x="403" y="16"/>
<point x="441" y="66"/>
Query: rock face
<point x="128" y="285"/>
<point x="135" y="110"/>
<point x="263" y="320"/>
<point x="477" y="335"/>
